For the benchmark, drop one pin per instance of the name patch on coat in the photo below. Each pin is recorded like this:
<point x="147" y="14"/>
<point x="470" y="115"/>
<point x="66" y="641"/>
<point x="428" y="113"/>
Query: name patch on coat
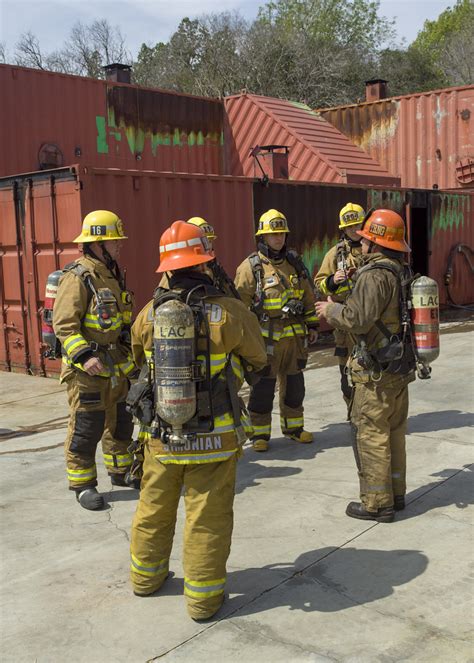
<point x="201" y="443"/>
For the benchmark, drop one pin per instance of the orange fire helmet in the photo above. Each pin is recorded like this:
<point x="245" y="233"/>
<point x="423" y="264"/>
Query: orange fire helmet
<point x="385" y="228"/>
<point x="183" y="245"/>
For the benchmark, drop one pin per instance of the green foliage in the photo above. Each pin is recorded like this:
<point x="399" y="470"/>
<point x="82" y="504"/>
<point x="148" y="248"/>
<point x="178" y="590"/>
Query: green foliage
<point x="448" y="23"/>
<point x="409" y="71"/>
<point x="448" y="43"/>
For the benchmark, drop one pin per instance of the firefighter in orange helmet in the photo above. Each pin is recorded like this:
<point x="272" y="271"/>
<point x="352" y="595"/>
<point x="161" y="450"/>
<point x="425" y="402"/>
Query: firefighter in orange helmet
<point x="381" y="366"/>
<point x="205" y="465"/>
<point x="334" y="278"/>
<point x="219" y="275"/>
<point x="91" y="319"/>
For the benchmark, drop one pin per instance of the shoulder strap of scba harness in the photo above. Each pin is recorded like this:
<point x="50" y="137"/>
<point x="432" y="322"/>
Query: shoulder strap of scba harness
<point x="84" y="274"/>
<point x="295" y="261"/>
<point x="405" y="277"/>
<point x="403" y="282"/>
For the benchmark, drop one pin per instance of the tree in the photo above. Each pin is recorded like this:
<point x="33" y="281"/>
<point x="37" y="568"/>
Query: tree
<point x="317" y="51"/>
<point x="202" y="57"/>
<point x="448" y="42"/>
<point x="87" y="50"/>
<point x="408" y="70"/>
<point x="28" y="52"/>
<point x="3" y="52"/>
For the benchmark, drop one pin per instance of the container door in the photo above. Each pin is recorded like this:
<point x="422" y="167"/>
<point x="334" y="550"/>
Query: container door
<point x="53" y="220"/>
<point x="14" y="353"/>
<point x="419" y="238"/>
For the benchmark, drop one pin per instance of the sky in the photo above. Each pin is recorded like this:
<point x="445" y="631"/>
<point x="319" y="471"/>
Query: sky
<point x="151" y="21"/>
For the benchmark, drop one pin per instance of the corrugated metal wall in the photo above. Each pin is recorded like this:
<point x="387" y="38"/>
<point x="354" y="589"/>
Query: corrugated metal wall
<point x="149" y="202"/>
<point x="424" y="138"/>
<point x="313" y="214"/>
<point x="437" y="222"/>
<point x="105" y="124"/>
<point x="40" y="214"/>
<point x="452" y="225"/>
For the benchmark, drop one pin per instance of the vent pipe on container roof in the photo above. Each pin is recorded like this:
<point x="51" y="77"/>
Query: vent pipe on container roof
<point x="118" y="73"/>
<point x="274" y="159"/>
<point x="376" y="89"/>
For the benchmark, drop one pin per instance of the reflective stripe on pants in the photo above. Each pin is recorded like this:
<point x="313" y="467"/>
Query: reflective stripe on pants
<point x="208" y="500"/>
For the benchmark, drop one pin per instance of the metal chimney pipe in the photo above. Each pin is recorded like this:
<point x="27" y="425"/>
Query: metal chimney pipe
<point x="376" y="89"/>
<point x="118" y="73"/>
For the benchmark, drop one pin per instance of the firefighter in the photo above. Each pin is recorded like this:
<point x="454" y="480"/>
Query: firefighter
<point x="91" y="319"/>
<point x="205" y="467"/>
<point x="207" y="229"/>
<point x="274" y="284"/>
<point x="219" y="275"/>
<point x="334" y="278"/>
<point x="379" y="370"/>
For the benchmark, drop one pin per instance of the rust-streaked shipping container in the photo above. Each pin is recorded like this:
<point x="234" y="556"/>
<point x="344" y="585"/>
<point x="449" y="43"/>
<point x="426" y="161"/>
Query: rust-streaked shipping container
<point x="426" y="139"/>
<point x="40" y="213"/>
<point x="438" y="223"/>
<point x="317" y="151"/>
<point x="50" y="120"/>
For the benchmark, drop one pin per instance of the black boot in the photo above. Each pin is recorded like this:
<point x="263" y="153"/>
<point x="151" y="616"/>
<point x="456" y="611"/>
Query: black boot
<point x="90" y="499"/>
<point x="125" y="480"/>
<point x="357" y="510"/>
<point x="399" y="502"/>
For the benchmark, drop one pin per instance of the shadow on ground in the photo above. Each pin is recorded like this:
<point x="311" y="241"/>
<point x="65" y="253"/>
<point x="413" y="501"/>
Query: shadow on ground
<point x="429" y="422"/>
<point x="325" y="580"/>
<point x="459" y="494"/>
<point x="251" y="472"/>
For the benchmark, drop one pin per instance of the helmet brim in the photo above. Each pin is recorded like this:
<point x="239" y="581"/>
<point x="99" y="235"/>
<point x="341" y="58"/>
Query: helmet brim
<point x="80" y="239"/>
<point x="171" y="263"/>
<point x="393" y="245"/>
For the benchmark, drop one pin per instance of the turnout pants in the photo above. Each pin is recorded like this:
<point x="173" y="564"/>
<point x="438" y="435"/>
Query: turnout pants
<point x="379" y="417"/>
<point x="97" y="413"/>
<point x="286" y="365"/>
<point x="208" y="499"/>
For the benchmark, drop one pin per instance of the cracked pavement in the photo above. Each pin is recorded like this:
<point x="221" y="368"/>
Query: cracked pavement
<point x="306" y="584"/>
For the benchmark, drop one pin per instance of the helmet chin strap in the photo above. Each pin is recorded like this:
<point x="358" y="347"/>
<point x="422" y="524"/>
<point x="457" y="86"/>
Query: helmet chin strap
<point x="108" y="261"/>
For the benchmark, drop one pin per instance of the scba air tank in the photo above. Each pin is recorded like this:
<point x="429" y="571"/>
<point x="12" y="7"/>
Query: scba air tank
<point x="47" y="332"/>
<point x="425" y="318"/>
<point x="175" y="351"/>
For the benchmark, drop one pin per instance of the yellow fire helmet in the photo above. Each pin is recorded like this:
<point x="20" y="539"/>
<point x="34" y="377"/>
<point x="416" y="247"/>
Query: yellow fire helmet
<point x="206" y="227"/>
<point x="272" y="221"/>
<point x="350" y="215"/>
<point x="100" y="226"/>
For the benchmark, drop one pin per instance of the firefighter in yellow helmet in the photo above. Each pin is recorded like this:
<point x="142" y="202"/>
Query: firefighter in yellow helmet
<point x="204" y="465"/>
<point x="334" y="278"/>
<point x="91" y="319"/>
<point x="206" y="227"/>
<point x="381" y="366"/>
<point x="275" y="284"/>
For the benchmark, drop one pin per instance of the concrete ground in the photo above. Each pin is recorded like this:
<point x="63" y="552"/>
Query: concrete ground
<point x="306" y="583"/>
